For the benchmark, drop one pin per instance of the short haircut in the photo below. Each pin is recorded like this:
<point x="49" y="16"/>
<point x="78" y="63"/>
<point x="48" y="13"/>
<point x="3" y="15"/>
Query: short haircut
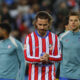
<point x="43" y="15"/>
<point x="74" y="14"/>
<point x="6" y="26"/>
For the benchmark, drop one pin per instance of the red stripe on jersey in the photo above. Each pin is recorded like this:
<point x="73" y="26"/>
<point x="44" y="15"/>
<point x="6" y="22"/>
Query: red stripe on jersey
<point x="56" y="46"/>
<point x="36" y="45"/>
<point x="43" y="50"/>
<point x="29" y="71"/>
<point x="36" y="73"/>
<point x="36" y="54"/>
<point x="50" y="75"/>
<point x="50" y="44"/>
<point x="43" y="45"/>
<point x="55" y="59"/>
<point x="30" y="42"/>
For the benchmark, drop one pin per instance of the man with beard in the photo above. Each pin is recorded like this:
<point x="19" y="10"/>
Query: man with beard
<point x="12" y="65"/>
<point x="42" y="49"/>
<point x="70" y="42"/>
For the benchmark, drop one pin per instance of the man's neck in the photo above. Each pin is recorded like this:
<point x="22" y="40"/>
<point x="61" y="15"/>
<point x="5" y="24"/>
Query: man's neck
<point x="76" y="30"/>
<point x="6" y="36"/>
<point x="42" y="35"/>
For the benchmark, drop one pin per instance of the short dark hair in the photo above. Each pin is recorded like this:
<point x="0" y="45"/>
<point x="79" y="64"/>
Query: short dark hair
<point x="43" y="15"/>
<point x="74" y="14"/>
<point x="6" y="26"/>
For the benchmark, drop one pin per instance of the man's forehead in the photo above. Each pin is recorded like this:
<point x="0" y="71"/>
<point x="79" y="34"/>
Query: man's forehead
<point x="41" y="19"/>
<point x="72" y="17"/>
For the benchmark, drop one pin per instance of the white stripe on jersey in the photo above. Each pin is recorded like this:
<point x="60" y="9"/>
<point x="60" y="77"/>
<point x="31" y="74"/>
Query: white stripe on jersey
<point x="33" y="43"/>
<point x="47" y="51"/>
<point x="27" y="47"/>
<point x="39" y="73"/>
<point x="53" y="40"/>
<point x="47" y="44"/>
<point x="46" y="72"/>
<point x="32" y="72"/>
<point x="40" y="46"/>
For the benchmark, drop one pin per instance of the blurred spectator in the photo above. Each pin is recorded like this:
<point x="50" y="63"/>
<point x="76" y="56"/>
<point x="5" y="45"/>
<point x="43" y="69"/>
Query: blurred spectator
<point x="9" y="2"/>
<point x="24" y="30"/>
<point x="13" y="10"/>
<point x="5" y="14"/>
<point x="73" y="5"/>
<point x="31" y="15"/>
<point x="23" y="6"/>
<point x="18" y="20"/>
<point x="60" y="18"/>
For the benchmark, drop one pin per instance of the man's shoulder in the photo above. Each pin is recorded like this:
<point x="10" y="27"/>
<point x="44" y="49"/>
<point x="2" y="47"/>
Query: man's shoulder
<point x="28" y="35"/>
<point x="62" y="35"/>
<point x="15" y="41"/>
<point x="53" y="33"/>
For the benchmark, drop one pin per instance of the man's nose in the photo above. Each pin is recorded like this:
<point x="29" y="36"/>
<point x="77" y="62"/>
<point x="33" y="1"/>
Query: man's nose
<point x="73" y="22"/>
<point x="42" y="27"/>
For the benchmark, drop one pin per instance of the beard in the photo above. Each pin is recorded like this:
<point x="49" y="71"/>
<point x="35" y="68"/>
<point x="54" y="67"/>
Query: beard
<point x="75" y="29"/>
<point x="42" y="32"/>
<point x="1" y="38"/>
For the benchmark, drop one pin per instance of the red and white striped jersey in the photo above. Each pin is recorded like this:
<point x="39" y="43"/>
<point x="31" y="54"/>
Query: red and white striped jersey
<point x="34" y="46"/>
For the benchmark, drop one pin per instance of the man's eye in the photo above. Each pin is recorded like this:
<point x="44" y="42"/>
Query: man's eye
<point x="76" y="20"/>
<point x="45" y="24"/>
<point x="40" y="24"/>
<point x="71" y="20"/>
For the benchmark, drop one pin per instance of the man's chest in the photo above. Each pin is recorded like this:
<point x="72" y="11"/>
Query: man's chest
<point x="7" y="48"/>
<point x="72" y="42"/>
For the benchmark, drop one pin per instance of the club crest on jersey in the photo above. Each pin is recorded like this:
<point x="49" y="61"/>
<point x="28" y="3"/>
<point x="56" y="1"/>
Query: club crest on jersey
<point x="50" y="47"/>
<point x="9" y="46"/>
<point x="67" y="40"/>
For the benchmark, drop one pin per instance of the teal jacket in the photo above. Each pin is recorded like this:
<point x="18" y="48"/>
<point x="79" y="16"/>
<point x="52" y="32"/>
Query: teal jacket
<point x="12" y="64"/>
<point x="70" y="65"/>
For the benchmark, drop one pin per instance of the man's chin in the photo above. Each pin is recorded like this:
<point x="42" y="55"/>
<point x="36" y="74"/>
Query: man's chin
<point x="1" y="37"/>
<point x="74" y="29"/>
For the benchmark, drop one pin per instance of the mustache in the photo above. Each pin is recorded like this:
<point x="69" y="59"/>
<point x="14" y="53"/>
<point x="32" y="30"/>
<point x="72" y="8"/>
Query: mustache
<point x="44" y="29"/>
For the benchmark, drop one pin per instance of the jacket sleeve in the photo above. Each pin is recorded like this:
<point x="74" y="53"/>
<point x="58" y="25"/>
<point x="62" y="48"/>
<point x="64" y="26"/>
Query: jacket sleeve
<point x="28" y="52"/>
<point x="56" y="56"/>
<point x="20" y="55"/>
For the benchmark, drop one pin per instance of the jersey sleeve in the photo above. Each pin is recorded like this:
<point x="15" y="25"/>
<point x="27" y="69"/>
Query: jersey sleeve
<point x="28" y="52"/>
<point x="20" y="55"/>
<point x="56" y="56"/>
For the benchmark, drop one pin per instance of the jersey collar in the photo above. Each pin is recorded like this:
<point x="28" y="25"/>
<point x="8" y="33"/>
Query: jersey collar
<point x="41" y="36"/>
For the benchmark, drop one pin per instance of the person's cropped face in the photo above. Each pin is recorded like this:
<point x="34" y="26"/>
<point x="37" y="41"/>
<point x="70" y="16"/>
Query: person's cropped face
<point x="5" y="10"/>
<point x="42" y="26"/>
<point x="74" y="22"/>
<point x="2" y="32"/>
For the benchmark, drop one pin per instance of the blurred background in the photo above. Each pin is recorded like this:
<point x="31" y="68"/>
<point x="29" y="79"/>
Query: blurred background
<point x="21" y="13"/>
